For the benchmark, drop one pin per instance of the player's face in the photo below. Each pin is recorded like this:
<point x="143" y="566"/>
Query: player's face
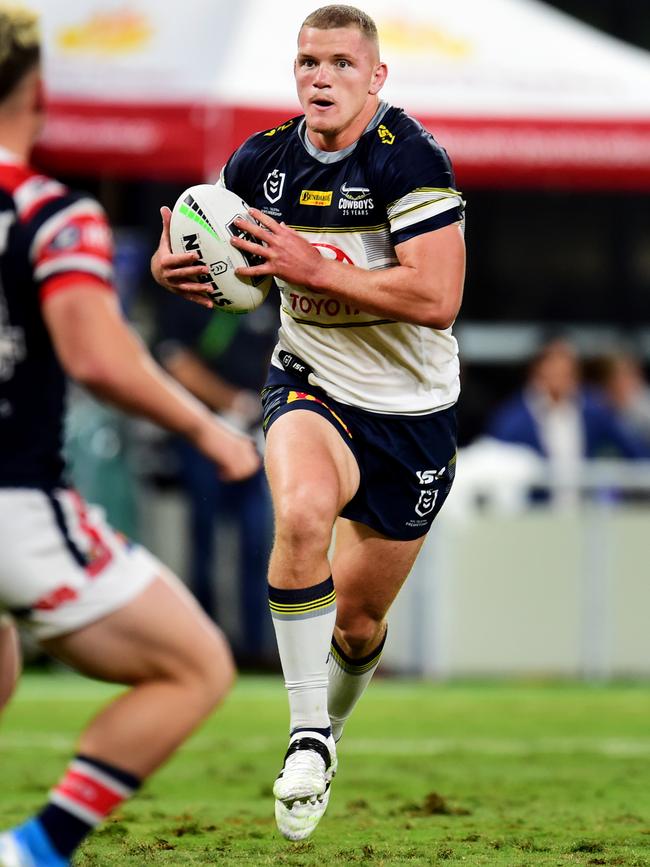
<point x="338" y="76"/>
<point x="558" y="372"/>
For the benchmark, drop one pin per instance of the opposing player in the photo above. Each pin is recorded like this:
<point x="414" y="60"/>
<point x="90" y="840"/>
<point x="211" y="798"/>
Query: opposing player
<point x="362" y="229"/>
<point x="98" y="603"/>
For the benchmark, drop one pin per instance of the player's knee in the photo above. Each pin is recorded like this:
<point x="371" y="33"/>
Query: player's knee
<point x="359" y="633"/>
<point x="214" y="670"/>
<point x="305" y="518"/>
<point x="206" y="671"/>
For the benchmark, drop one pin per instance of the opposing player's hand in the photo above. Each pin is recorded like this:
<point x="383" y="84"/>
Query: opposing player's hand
<point x="287" y="255"/>
<point x="178" y="272"/>
<point x="233" y="452"/>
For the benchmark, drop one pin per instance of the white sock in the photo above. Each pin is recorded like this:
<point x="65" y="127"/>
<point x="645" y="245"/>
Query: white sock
<point x="303" y="621"/>
<point x="348" y="679"/>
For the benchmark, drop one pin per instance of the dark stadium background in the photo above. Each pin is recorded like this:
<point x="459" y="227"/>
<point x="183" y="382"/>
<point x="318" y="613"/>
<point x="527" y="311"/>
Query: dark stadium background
<point x="558" y="258"/>
<point x="540" y="262"/>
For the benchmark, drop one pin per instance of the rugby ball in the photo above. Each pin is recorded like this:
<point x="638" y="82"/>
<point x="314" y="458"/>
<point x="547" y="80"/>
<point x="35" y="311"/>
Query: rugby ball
<point x="203" y="222"/>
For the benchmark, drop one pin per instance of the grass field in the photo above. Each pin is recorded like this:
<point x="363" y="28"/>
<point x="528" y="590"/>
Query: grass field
<point x="473" y="774"/>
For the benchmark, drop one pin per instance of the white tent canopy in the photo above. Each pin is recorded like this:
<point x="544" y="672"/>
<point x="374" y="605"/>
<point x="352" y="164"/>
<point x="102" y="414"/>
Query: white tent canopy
<point x="516" y="91"/>
<point x="470" y="58"/>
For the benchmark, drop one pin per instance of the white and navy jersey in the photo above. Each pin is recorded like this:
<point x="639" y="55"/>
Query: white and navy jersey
<point x="50" y="239"/>
<point x="356" y="205"/>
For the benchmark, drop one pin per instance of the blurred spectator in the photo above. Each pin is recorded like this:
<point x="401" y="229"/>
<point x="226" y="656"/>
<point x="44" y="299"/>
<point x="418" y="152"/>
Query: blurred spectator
<point x="556" y="416"/>
<point x="621" y="378"/>
<point x="222" y="359"/>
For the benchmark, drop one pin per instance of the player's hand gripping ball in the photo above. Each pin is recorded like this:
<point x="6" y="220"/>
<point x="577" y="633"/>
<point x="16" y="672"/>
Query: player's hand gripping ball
<point x="203" y="222"/>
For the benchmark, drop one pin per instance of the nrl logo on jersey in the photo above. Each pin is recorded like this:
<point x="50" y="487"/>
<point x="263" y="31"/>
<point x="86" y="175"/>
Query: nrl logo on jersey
<point x="274" y="185"/>
<point x="356" y="200"/>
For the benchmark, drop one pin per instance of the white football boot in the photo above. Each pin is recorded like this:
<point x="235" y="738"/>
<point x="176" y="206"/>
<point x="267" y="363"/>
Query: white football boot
<point x="12" y="854"/>
<point x="302" y="789"/>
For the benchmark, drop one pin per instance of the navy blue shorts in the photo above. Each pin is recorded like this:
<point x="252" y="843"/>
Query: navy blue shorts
<point x="406" y="462"/>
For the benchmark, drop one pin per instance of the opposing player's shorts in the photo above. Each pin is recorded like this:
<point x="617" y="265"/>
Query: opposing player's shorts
<point x="406" y="463"/>
<point x="62" y="566"/>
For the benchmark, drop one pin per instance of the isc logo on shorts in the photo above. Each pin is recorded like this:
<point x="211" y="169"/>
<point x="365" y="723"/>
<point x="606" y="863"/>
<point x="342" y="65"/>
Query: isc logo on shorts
<point x="428" y="477"/>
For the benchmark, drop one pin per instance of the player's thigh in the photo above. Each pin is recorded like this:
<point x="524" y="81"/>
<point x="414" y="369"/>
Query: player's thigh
<point x="369" y="569"/>
<point x="162" y="632"/>
<point x="10" y="659"/>
<point x="308" y="463"/>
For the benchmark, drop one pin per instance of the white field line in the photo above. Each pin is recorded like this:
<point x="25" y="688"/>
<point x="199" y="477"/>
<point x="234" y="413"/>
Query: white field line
<point x="604" y="746"/>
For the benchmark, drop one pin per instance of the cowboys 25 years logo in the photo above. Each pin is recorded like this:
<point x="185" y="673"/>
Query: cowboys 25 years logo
<point x="355" y="200"/>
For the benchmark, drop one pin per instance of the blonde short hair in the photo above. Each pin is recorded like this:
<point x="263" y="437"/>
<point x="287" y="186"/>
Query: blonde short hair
<point x="20" y="45"/>
<point x="331" y="17"/>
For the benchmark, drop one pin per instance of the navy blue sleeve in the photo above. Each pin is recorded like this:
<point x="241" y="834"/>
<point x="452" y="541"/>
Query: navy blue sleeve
<point x="237" y="172"/>
<point x="416" y="179"/>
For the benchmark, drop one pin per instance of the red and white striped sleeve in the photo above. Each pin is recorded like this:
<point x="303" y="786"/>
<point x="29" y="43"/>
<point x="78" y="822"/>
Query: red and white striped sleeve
<point x="70" y="241"/>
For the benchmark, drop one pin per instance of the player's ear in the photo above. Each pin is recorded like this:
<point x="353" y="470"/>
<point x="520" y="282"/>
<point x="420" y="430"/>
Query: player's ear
<point x="378" y="78"/>
<point x="39" y="95"/>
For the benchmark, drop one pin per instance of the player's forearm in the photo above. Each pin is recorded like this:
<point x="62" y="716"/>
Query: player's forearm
<point x="401" y="292"/>
<point x="102" y="353"/>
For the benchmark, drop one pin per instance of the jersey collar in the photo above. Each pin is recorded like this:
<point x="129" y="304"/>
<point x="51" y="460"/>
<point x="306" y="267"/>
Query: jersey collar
<point x="337" y="156"/>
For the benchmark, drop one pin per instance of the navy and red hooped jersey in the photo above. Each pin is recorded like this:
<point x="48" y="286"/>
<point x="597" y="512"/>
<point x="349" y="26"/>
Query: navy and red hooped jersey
<point x="357" y="205"/>
<point x="51" y="239"/>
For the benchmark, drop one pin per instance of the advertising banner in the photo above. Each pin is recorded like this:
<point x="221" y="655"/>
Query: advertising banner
<point x="517" y="92"/>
